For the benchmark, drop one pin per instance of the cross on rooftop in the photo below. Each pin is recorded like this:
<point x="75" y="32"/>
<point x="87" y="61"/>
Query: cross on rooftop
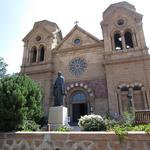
<point x="76" y="22"/>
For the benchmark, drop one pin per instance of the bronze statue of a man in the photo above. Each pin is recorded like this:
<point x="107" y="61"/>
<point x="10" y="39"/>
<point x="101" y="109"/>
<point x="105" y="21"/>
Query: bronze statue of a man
<point x="59" y="90"/>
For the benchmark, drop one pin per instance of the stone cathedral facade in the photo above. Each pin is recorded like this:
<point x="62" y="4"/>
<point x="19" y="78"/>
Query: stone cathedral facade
<point x="99" y="74"/>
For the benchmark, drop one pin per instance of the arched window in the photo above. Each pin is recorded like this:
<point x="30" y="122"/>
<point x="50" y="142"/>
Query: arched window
<point x="33" y="54"/>
<point x="78" y="96"/>
<point x="117" y="41"/>
<point x="128" y="40"/>
<point x="131" y="97"/>
<point x="42" y="53"/>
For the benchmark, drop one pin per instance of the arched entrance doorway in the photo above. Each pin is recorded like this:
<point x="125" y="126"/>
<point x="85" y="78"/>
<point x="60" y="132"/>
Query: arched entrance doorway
<point x="79" y="100"/>
<point x="79" y="105"/>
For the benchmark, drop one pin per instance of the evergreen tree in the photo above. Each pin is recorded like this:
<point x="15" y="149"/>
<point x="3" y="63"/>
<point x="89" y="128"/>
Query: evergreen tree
<point x="20" y="103"/>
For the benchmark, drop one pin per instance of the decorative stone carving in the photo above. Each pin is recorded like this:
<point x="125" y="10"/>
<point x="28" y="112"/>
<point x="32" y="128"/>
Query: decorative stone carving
<point x="77" y="66"/>
<point x="97" y="87"/>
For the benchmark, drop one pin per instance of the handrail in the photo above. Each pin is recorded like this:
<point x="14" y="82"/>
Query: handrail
<point x="142" y="116"/>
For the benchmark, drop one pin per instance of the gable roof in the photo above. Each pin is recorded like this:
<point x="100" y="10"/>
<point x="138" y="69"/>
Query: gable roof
<point x="76" y="27"/>
<point x="40" y="23"/>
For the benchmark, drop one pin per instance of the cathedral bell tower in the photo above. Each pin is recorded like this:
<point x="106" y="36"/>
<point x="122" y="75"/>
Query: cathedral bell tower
<point x="37" y="60"/>
<point x="125" y="57"/>
<point x="122" y="28"/>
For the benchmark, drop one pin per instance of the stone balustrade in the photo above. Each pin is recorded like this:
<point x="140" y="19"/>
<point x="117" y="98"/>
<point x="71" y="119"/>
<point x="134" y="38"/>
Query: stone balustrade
<point x="73" y="141"/>
<point x="142" y="116"/>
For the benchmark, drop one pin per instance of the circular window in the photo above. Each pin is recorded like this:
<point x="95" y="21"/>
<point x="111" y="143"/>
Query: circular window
<point x="38" y="38"/>
<point x="77" y="41"/>
<point x="120" y="22"/>
<point x="77" y="66"/>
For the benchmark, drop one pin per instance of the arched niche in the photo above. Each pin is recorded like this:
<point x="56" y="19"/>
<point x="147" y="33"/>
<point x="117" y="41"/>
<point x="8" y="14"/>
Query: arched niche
<point x="41" y="53"/>
<point x="33" y="54"/>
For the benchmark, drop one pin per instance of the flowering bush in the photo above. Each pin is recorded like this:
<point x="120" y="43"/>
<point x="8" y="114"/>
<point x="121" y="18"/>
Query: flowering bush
<point x="92" y="123"/>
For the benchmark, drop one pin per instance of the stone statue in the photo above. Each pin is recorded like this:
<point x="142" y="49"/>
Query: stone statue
<point x="130" y="97"/>
<point x="59" y="90"/>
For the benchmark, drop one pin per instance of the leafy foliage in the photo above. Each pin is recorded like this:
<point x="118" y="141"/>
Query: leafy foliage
<point x="3" y="66"/>
<point x="30" y="125"/>
<point x="145" y="128"/>
<point x="20" y="103"/>
<point x="128" y="119"/>
<point x="120" y="125"/>
<point x="92" y="123"/>
<point x="63" y="128"/>
<point x="110" y="123"/>
<point x="124" y="124"/>
<point x="121" y="131"/>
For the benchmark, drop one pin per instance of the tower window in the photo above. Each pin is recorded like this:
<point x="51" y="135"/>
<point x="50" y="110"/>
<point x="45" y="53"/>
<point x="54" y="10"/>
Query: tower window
<point x="33" y="54"/>
<point x="42" y="53"/>
<point x="120" y="22"/>
<point x="77" y="41"/>
<point x="128" y="40"/>
<point x="118" y="41"/>
<point x="38" y="38"/>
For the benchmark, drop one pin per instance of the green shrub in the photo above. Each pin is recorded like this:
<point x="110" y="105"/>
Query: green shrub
<point x="20" y="103"/>
<point x="145" y="128"/>
<point x="110" y="123"/>
<point x="92" y="123"/>
<point x="120" y="131"/>
<point x="128" y="118"/>
<point x="30" y="125"/>
<point x="63" y="128"/>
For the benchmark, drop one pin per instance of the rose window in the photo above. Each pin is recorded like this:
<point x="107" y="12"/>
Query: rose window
<point x="77" y="66"/>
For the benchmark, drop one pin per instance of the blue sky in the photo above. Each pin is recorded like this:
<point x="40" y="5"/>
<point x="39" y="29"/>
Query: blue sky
<point x="11" y="12"/>
<point x="17" y="18"/>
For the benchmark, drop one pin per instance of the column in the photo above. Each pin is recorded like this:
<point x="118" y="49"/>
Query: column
<point x="147" y="98"/>
<point x="113" y="43"/>
<point x="119" y="101"/>
<point x="134" y="40"/>
<point x="123" y="41"/>
<point x="37" y="55"/>
<point x="144" y="96"/>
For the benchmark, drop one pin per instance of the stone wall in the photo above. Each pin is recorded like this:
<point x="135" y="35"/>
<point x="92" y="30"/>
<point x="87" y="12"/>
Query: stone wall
<point x="128" y="71"/>
<point x="73" y="141"/>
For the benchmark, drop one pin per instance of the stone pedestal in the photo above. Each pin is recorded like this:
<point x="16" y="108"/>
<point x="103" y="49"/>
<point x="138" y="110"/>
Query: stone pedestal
<point x="58" y="116"/>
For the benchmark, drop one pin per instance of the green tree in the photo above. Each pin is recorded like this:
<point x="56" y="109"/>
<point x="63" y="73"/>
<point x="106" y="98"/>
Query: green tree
<point x="20" y="103"/>
<point x="3" y="66"/>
